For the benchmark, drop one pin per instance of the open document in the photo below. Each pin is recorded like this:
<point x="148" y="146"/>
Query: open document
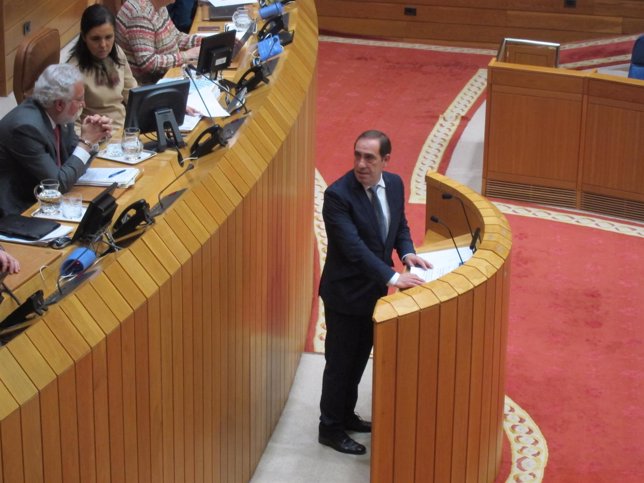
<point x="443" y="261"/>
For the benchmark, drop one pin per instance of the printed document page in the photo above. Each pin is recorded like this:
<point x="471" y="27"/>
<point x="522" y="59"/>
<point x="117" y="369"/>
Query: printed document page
<point x="443" y="261"/>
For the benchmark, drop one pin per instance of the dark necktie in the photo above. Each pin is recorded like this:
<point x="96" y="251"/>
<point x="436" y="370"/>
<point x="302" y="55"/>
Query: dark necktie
<point x="57" y="142"/>
<point x="380" y="215"/>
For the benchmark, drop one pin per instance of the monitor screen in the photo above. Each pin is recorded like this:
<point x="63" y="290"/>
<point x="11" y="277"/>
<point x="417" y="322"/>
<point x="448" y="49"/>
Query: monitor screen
<point x="97" y="217"/>
<point x="530" y="52"/>
<point x="159" y="108"/>
<point x="216" y="52"/>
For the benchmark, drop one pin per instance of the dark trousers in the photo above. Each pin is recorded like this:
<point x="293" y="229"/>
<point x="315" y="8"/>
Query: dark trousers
<point x="349" y="339"/>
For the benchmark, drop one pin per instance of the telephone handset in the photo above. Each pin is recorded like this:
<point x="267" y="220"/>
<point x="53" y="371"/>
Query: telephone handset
<point x="133" y="218"/>
<point x="207" y="140"/>
<point x="272" y="27"/>
<point x="214" y="136"/>
<point x="252" y="77"/>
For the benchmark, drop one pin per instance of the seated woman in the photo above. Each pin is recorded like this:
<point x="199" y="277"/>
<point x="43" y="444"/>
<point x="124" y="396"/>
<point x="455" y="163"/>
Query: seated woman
<point x="150" y="40"/>
<point x="106" y="72"/>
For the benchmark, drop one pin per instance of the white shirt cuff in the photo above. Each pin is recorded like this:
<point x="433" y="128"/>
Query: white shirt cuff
<point x="81" y="154"/>
<point x="392" y="281"/>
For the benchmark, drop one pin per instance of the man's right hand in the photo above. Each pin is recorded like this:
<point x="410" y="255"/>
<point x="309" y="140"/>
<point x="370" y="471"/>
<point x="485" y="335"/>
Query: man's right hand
<point x="408" y="280"/>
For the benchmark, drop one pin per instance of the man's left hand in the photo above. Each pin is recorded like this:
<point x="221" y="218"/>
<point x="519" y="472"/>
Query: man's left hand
<point x="413" y="260"/>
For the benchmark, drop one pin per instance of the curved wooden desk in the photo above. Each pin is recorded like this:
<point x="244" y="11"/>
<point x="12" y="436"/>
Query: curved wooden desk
<point x="439" y="357"/>
<point x="174" y="363"/>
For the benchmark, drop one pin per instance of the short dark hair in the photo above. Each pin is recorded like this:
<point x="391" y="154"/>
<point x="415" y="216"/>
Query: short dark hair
<point x="93" y="16"/>
<point x="383" y="139"/>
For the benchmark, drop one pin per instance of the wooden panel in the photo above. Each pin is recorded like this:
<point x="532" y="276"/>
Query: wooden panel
<point x="544" y="147"/>
<point x="484" y="23"/>
<point x="439" y="361"/>
<point x="573" y="139"/>
<point x="63" y="15"/>
<point x="173" y="363"/>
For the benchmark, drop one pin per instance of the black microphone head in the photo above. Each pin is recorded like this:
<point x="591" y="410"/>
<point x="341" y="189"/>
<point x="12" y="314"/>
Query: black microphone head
<point x="434" y="218"/>
<point x="447" y="196"/>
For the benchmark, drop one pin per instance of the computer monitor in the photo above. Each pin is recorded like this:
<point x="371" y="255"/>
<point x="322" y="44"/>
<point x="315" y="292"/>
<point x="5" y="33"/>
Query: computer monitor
<point x="530" y="52"/>
<point x="97" y="217"/>
<point x="159" y="108"/>
<point x="216" y="53"/>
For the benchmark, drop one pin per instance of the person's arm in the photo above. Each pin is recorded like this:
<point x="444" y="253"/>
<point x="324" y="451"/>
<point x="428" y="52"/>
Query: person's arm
<point x="8" y="263"/>
<point x="341" y="228"/>
<point x="29" y="150"/>
<point x="129" y="82"/>
<point x="140" y="33"/>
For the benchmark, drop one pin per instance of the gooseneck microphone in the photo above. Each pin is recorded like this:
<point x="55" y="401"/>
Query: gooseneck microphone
<point x="435" y="219"/>
<point x="160" y="207"/>
<point x="449" y="196"/>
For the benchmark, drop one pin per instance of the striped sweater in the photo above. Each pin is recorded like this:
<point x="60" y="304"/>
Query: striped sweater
<point x="151" y="42"/>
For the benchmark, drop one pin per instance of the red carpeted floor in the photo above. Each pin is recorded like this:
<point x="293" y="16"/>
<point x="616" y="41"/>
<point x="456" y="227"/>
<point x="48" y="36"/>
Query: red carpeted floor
<point x="576" y="336"/>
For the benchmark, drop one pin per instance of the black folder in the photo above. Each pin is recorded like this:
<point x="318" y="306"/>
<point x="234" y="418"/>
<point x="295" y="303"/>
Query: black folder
<point x="26" y="227"/>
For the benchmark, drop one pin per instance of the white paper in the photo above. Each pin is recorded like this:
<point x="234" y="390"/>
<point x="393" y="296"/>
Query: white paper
<point x="214" y="109"/>
<point x="443" y="261"/>
<point x="125" y="177"/>
<point x="114" y="153"/>
<point x="62" y="230"/>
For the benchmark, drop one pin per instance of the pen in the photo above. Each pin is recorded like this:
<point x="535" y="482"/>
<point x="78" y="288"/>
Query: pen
<point x="117" y="173"/>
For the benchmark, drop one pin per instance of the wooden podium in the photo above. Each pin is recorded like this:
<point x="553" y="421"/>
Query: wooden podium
<point x="439" y="357"/>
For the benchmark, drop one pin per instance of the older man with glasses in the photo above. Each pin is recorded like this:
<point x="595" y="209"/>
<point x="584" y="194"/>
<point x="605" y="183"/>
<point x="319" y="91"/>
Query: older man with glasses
<point x="37" y="138"/>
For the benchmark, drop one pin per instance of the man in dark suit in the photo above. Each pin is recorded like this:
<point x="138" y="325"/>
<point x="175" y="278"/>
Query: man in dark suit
<point x="364" y="215"/>
<point x="37" y="138"/>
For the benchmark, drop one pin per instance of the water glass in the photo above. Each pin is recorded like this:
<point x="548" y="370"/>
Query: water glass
<point x="130" y="144"/>
<point x="241" y="19"/>
<point x="72" y="206"/>
<point x="49" y="196"/>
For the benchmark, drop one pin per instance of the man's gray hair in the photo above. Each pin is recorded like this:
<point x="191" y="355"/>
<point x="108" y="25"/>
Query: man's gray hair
<point x="56" y="83"/>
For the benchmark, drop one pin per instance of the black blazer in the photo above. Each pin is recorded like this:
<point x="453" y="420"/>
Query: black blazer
<point x="28" y="155"/>
<point x="358" y="265"/>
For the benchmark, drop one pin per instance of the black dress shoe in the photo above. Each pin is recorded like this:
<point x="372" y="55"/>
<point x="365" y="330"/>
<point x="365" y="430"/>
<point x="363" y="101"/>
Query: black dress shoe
<point x="340" y="441"/>
<point x="358" y="425"/>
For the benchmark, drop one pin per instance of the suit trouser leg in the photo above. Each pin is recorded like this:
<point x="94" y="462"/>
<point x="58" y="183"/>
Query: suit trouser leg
<point x="347" y="347"/>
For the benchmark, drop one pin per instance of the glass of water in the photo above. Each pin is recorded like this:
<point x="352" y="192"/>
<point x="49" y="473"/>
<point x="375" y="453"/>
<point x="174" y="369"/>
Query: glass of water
<point x="130" y="144"/>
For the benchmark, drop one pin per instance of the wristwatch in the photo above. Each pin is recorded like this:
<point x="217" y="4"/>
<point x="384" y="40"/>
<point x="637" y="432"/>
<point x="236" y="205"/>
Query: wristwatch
<point x="93" y="147"/>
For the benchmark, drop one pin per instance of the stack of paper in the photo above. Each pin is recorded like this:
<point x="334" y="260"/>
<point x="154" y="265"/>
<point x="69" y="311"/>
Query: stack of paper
<point x="443" y="262"/>
<point x="125" y="177"/>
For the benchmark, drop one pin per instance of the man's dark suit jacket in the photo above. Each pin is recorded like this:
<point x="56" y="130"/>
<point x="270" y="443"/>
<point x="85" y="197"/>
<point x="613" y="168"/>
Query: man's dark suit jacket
<point x="28" y="155"/>
<point x="358" y="265"/>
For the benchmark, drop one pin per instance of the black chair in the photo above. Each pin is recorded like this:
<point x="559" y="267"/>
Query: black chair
<point x="636" y="71"/>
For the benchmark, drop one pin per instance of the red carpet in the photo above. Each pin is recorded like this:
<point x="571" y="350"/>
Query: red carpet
<point x="576" y="333"/>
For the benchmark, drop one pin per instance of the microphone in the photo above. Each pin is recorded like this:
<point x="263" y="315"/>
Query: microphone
<point x="449" y="196"/>
<point x="435" y="219"/>
<point x="160" y="207"/>
<point x="476" y="237"/>
<point x="194" y="83"/>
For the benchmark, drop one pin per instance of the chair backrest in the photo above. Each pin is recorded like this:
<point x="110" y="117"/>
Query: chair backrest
<point x="34" y="54"/>
<point x="636" y="70"/>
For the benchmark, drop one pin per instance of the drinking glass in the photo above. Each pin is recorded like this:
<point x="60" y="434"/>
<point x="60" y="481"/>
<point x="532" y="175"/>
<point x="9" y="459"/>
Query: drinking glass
<point x="72" y="206"/>
<point x="130" y="144"/>
<point x="241" y="19"/>
<point x="48" y="195"/>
